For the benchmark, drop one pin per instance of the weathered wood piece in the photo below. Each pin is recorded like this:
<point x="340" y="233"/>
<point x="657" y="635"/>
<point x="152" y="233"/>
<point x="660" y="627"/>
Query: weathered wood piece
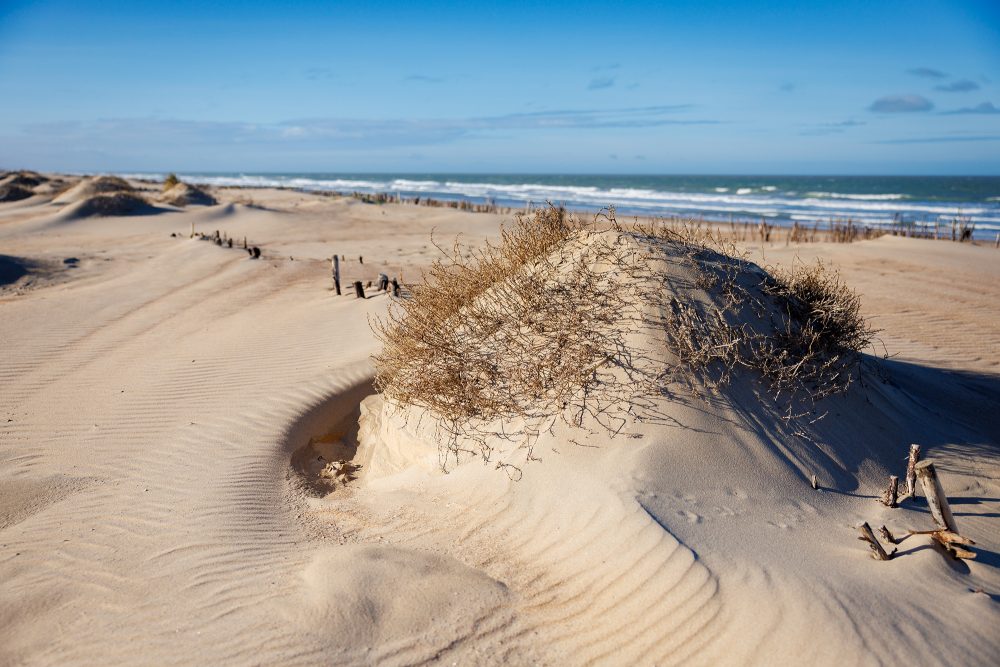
<point x="814" y="482"/>
<point x="891" y="492"/>
<point x="887" y="536"/>
<point x="878" y="553"/>
<point x="395" y="287"/>
<point x="359" y="289"/>
<point x="911" y="471"/>
<point x="336" y="274"/>
<point x="936" y="500"/>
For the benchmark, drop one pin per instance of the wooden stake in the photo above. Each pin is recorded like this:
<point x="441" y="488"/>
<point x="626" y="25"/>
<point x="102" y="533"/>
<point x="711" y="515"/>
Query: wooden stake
<point x="936" y="500"/>
<point x="878" y="553"/>
<point x="359" y="289"/>
<point x="815" y="482"/>
<point x="336" y="274"/>
<point x="395" y="287"/>
<point x="889" y="495"/>
<point x="911" y="471"/>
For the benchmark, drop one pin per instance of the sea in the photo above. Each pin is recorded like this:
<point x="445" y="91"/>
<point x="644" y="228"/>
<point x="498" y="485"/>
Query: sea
<point x="918" y="201"/>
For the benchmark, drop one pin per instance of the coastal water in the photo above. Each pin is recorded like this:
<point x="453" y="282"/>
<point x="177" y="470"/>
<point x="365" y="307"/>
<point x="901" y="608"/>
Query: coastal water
<point x="783" y="200"/>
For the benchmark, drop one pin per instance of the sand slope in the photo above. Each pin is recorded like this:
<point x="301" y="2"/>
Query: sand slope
<point x="149" y="512"/>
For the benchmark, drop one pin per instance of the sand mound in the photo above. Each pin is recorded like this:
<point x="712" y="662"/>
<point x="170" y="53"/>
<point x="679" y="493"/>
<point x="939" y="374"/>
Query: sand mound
<point x="662" y="404"/>
<point x="25" y="179"/>
<point x="90" y="187"/>
<point x="113" y="204"/>
<point x="14" y="193"/>
<point x="377" y="602"/>
<point x="184" y="194"/>
<point x="590" y="328"/>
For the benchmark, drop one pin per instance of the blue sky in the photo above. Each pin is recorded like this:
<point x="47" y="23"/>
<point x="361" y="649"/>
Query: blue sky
<point x="671" y="87"/>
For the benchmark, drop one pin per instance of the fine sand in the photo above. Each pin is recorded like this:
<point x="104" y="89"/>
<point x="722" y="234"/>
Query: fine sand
<point x="166" y="400"/>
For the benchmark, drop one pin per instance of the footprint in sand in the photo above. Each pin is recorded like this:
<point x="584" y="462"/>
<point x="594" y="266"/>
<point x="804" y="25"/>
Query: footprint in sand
<point x="690" y="516"/>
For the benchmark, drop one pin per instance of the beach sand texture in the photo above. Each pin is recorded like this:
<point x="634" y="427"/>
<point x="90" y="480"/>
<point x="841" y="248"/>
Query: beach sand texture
<point x="165" y="400"/>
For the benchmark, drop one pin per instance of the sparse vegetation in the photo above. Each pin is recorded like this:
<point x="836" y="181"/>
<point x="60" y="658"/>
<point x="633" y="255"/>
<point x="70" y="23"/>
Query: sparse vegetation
<point x="170" y="181"/>
<point x="593" y="322"/>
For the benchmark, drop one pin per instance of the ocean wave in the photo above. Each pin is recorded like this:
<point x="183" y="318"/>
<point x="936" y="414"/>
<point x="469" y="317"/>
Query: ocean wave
<point x="713" y="202"/>
<point x="869" y="197"/>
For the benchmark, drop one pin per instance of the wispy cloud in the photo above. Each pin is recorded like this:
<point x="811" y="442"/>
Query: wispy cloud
<point x="986" y="108"/>
<point x="901" y="104"/>
<point x="423" y="78"/>
<point x="960" y="86"/>
<point x="318" y="73"/>
<point x="327" y="133"/>
<point x="927" y="73"/>
<point x="822" y="129"/>
<point x="940" y="140"/>
<point x="601" y="82"/>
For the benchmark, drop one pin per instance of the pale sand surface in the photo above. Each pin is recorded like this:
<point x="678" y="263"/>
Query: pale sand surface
<point x="155" y="396"/>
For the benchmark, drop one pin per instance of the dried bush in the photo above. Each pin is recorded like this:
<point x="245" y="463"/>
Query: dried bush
<point x="170" y="181"/>
<point x="555" y="321"/>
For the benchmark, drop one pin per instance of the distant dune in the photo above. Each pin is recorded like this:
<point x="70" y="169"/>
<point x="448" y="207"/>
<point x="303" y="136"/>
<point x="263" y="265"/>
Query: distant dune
<point x="185" y="194"/>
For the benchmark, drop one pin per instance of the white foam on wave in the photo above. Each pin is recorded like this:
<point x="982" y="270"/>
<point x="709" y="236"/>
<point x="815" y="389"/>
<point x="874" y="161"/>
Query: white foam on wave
<point x="868" y="197"/>
<point x="719" y="202"/>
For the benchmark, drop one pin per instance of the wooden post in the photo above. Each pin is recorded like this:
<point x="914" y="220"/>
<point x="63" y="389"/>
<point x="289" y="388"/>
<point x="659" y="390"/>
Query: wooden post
<point x="361" y="260"/>
<point x="814" y="482"/>
<point x="878" y="553"/>
<point x="336" y="274"/>
<point x="359" y="289"/>
<point x="911" y="471"/>
<point x="936" y="500"/>
<point x="192" y="229"/>
<point x="395" y="287"/>
<point x="890" y="494"/>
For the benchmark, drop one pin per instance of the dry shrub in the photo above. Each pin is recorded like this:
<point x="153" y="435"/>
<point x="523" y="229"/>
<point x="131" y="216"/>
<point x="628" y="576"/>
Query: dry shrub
<point x="170" y="181"/>
<point x="506" y="341"/>
<point x="823" y="334"/>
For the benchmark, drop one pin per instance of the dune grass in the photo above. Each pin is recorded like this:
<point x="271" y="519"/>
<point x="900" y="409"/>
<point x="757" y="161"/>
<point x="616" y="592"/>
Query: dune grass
<point x="542" y="326"/>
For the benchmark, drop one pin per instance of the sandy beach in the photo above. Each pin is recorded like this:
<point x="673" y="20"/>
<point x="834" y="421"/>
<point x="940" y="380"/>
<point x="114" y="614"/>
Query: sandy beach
<point x="166" y="398"/>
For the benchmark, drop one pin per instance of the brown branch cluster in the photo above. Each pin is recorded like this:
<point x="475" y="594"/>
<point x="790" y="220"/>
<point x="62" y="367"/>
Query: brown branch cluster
<point x="588" y="323"/>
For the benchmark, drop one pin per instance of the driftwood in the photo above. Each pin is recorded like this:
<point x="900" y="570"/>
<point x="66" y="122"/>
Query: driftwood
<point x="889" y="495"/>
<point x="887" y="536"/>
<point x="936" y="500"/>
<point x="911" y="473"/>
<point x="947" y="534"/>
<point x="878" y="553"/>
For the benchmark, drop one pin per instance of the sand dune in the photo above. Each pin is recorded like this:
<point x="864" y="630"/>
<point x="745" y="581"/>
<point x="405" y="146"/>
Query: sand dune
<point x="162" y="402"/>
<point x="184" y="194"/>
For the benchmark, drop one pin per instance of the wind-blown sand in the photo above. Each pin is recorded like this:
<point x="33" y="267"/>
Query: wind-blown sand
<point x="164" y="400"/>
